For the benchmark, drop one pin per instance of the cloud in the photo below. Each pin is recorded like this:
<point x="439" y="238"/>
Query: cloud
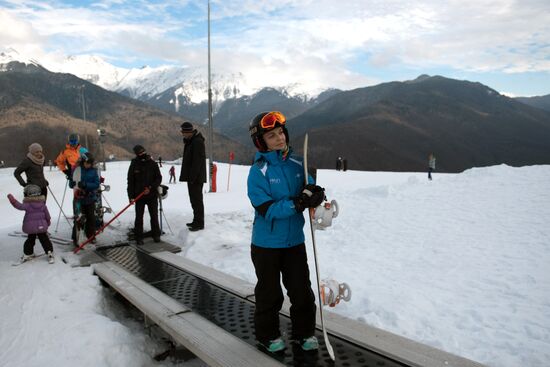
<point x="304" y="40"/>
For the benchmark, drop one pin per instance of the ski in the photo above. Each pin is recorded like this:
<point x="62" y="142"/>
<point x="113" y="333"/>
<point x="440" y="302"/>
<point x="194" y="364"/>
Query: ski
<point x="21" y="261"/>
<point x="55" y="239"/>
<point x="317" y="271"/>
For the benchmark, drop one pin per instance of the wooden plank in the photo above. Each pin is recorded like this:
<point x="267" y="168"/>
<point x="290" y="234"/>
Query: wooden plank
<point x="142" y="295"/>
<point x="207" y="341"/>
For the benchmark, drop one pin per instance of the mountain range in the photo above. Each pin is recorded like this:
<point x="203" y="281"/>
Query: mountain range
<point x="38" y="105"/>
<point x="394" y="126"/>
<point x="391" y="126"/>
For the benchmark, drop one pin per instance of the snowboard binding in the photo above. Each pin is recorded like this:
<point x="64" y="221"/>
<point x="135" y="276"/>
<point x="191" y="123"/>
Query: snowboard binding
<point x="332" y="292"/>
<point x="324" y="213"/>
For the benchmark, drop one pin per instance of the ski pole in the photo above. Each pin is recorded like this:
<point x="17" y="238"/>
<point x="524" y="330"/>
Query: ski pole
<point x="168" y="224"/>
<point x="109" y="222"/>
<point x="105" y="198"/>
<point x="60" y="208"/>
<point x="160" y="209"/>
<point x="62" y="202"/>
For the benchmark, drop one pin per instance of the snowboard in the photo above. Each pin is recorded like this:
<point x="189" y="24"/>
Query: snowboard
<point x="311" y="212"/>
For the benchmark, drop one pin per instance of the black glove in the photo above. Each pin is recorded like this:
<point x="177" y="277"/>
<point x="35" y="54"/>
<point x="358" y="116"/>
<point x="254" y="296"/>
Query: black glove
<point x="71" y="183"/>
<point x="81" y="185"/>
<point x="299" y="205"/>
<point x="67" y="173"/>
<point x="315" y="195"/>
<point x="311" y="197"/>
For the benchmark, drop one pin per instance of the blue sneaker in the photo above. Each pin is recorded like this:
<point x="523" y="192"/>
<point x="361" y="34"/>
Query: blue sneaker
<point x="310" y="343"/>
<point x="275" y="345"/>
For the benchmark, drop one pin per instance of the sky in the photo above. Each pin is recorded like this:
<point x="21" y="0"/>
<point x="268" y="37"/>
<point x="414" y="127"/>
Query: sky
<point x="459" y="263"/>
<point x="504" y="44"/>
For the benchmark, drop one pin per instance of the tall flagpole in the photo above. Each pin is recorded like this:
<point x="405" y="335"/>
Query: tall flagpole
<point x="210" y="123"/>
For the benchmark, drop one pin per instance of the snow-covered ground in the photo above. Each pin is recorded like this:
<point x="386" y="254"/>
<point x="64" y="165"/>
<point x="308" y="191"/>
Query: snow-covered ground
<point x="459" y="263"/>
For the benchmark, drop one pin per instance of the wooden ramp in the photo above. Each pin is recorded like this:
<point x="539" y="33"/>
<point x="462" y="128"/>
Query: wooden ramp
<point x="210" y="343"/>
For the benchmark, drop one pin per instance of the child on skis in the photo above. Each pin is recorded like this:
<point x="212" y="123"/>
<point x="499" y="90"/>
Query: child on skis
<point x="276" y="190"/>
<point x="87" y="192"/>
<point x="36" y="221"/>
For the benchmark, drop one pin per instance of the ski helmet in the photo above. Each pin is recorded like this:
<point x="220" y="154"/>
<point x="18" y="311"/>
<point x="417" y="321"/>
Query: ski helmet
<point x="264" y="122"/>
<point x="87" y="158"/>
<point x="32" y="190"/>
<point x="73" y="139"/>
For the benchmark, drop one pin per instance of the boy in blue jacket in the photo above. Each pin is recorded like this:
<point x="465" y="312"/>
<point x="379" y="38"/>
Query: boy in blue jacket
<point x="87" y="192"/>
<point x="276" y="190"/>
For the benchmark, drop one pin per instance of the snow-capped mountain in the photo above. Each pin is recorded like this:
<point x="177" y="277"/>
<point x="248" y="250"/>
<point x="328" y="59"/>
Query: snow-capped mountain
<point x="185" y="83"/>
<point x="9" y="54"/>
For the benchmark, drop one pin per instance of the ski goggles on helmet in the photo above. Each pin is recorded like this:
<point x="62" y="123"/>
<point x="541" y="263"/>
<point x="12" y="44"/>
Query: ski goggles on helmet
<point x="270" y="120"/>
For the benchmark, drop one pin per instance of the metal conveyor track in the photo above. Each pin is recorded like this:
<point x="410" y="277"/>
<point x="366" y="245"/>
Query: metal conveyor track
<point x="234" y="313"/>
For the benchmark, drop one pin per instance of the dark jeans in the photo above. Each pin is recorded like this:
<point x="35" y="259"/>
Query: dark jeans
<point x="28" y="247"/>
<point x="195" y="196"/>
<point x="152" y="206"/>
<point x="88" y="210"/>
<point x="430" y="170"/>
<point x="172" y="177"/>
<point x="292" y="264"/>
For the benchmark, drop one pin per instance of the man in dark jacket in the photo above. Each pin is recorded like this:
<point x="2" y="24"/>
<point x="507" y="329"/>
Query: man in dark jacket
<point x="144" y="174"/>
<point x="193" y="171"/>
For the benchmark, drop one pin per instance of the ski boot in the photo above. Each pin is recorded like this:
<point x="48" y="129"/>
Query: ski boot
<point x="51" y="259"/>
<point x="310" y="343"/>
<point x="275" y="345"/>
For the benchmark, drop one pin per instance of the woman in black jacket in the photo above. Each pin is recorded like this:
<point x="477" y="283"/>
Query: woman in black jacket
<point x="33" y="167"/>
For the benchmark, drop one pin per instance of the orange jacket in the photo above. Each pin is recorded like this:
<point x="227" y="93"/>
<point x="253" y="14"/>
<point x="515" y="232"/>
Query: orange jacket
<point x="70" y="154"/>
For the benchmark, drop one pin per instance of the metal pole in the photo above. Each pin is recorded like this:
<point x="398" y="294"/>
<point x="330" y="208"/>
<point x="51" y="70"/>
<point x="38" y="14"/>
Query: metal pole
<point x="210" y="122"/>
<point x="83" y="103"/>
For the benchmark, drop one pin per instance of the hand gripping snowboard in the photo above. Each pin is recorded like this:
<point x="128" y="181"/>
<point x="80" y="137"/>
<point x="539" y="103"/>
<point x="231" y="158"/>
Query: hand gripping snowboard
<point x="319" y="290"/>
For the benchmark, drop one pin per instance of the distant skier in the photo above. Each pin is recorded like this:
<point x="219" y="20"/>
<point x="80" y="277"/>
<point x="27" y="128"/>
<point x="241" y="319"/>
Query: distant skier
<point x="160" y="161"/>
<point x="172" y="173"/>
<point x="339" y="164"/>
<point x="277" y="234"/>
<point x="344" y="164"/>
<point x="33" y="168"/>
<point x="36" y="221"/>
<point x="86" y="192"/>
<point x="431" y="165"/>
<point x="144" y="174"/>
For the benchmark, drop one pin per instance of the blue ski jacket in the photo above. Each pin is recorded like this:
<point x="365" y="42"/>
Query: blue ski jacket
<point x="90" y="182"/>
<point x="273" y="183"/>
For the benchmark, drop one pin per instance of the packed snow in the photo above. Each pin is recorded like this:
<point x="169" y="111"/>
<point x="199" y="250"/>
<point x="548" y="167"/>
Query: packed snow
<point x="459" y="263"/>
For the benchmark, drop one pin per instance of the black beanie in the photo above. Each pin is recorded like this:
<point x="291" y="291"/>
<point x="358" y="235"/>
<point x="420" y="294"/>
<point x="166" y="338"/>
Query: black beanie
<point x="187" y="127"/>
<point x="139" y="149"/>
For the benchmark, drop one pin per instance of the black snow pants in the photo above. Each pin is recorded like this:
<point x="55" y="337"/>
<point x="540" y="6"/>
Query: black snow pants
<point x="269" y="264"/>
<point x="28" y="247"/>
<point x="152" y="205"/>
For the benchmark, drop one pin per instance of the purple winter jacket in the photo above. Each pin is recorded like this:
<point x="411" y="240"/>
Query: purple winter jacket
<point x="37" y="217"/>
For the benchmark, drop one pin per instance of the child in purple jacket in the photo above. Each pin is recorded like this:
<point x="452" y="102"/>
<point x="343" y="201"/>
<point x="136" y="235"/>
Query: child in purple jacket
<point x="36" y="222"/>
